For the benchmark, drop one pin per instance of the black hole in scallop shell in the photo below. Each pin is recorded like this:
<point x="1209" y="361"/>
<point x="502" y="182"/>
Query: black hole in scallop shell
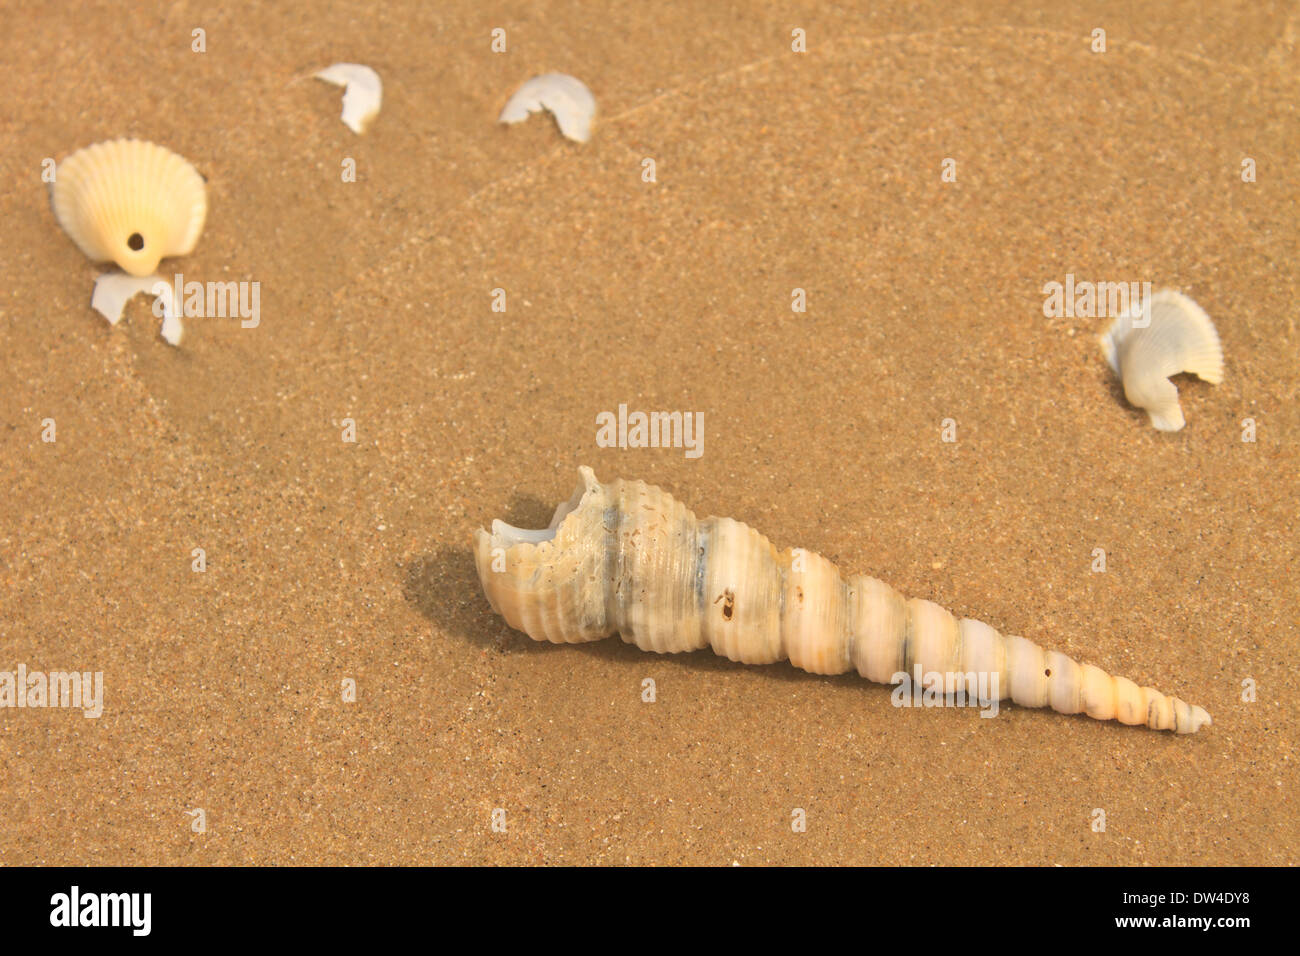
<point x="1048" y="672"/>
<point x="135" y="241"/>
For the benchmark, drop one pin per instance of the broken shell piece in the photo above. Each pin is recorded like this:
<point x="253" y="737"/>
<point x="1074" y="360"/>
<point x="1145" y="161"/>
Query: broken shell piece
<point x="114" y="289"/>
<point x="130" y="202"/>
<point x="1146" y="347"/>
<point x="362" y="92"/>
<point x="566" y="97"/>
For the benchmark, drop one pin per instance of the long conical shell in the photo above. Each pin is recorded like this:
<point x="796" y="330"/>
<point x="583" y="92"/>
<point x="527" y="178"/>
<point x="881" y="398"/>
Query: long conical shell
<point x="130" y="202"/>
<point x="626" y="557"/>
<point x="1176" y="335"/>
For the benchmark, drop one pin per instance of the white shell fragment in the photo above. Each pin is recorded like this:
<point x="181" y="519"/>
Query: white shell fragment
<point x="1146" y="347"/>
<point x="362" y="92"/>
<point x="114" y="289"/>
<point x="566" y="97"/>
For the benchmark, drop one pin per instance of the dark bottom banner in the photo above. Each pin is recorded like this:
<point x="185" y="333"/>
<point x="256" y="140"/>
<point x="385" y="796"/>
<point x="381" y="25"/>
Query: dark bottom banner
<point x="335" y="906"/>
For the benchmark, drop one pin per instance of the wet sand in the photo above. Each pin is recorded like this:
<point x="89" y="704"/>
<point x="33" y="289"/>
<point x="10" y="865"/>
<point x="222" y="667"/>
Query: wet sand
<point x="329" y="561"/>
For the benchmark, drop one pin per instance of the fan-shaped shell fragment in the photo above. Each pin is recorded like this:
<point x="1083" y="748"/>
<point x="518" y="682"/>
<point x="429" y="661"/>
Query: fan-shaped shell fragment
<point x="1172" y="335"/>
<point x="130" y="202"/>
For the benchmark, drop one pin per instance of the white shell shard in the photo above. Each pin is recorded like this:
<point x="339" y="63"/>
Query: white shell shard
<point x="566" y="97"/>
<point x="363" y="92"/>
<point x="625" y="557"/>
<point x="130" y="202"/>
<point x="114" y="289"/>
<point x="1176" y="335"/>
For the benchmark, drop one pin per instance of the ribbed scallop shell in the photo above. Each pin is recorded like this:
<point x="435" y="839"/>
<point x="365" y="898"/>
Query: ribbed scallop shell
<point x="1179" y="338"/>
<point x="627" y="558"/>
<point x="130" y="202"/>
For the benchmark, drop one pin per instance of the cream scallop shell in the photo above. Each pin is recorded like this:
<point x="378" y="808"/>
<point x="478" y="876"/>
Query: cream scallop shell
<point x="1176" y="335"/>
<point x="130" y="202"/>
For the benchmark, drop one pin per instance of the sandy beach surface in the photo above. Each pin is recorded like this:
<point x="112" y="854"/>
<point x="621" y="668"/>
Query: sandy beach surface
<point x="330" y="561"/>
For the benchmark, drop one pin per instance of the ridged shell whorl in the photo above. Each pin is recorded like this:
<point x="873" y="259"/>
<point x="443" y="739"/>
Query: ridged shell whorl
<point x="627" y="558"/>
<point x="130" y="202"/>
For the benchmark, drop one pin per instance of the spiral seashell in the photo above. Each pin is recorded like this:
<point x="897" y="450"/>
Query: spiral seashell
<point x="1177" y="337"/>
<point x="566" y="97"/>
<point x="130" y="202"/>
<point x="626" y="557"/>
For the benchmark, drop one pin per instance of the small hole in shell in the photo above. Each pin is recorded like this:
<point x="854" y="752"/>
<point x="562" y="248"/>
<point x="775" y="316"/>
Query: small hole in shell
<point x="1048" y="672"/>
<point x="728" y="599"/>
<point x="135" y="241"/>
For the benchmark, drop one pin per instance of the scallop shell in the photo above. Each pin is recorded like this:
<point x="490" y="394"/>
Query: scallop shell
<point x="130" y="202"/>
<point x="627" y="558"/>
<point x="566" y="97"/>
<point x="1179" y="338"/>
